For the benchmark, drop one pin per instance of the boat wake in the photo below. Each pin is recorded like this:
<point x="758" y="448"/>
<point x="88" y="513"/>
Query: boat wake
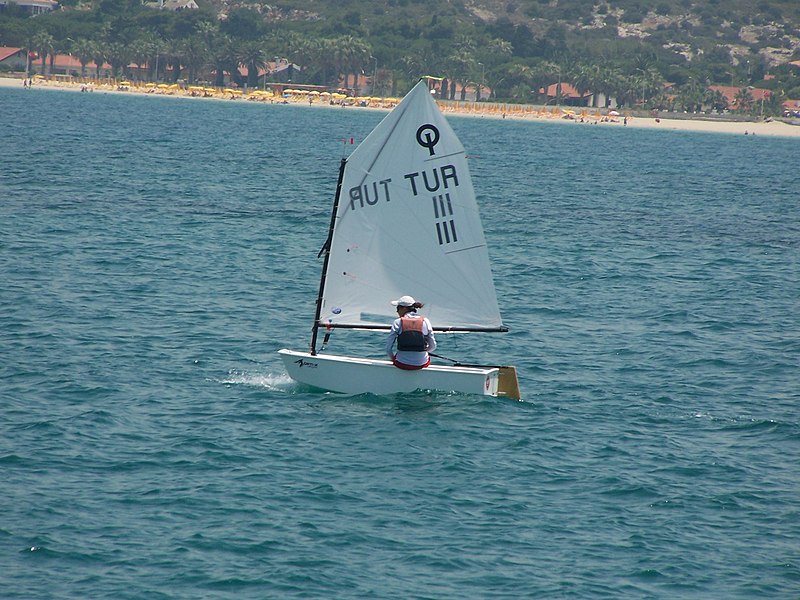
<point x="270" y="381"/>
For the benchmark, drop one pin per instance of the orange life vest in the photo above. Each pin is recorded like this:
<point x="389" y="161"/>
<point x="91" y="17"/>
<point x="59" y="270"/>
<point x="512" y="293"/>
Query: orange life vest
<point x="411" y="338"/>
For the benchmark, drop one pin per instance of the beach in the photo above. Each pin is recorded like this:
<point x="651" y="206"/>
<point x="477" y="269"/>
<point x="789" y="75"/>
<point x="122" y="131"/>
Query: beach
<point x="564" y="115"/>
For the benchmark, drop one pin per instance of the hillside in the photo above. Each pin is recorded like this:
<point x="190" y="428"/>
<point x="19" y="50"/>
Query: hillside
<point x="725" y="42"/>
<point x="630" y="49"/>
<point x="771" y="32"/>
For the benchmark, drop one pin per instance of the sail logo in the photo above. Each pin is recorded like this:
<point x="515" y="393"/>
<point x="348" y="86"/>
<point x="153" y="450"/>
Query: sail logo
<point x="427" y="137"/>
<point x="445" y="224"/>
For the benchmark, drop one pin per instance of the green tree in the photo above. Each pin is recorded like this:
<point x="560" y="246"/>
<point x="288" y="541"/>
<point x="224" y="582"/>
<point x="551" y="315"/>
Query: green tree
<point x="99" y="56"/>
<point x="459" y="67"/>
<point x="351" y="55"/>
<point x="44" y="45"/>
<point x="119" y="56"/>
<point x="253" y="55"/>
<point x="587" y="78"/>
<point x="84" y="49"/>
<point x="194" y="56"/>
<point x="225" y="57"/>
<point x="743" y="101"/>
<point x="140" y="54"/>
<point x="717" y="101"/>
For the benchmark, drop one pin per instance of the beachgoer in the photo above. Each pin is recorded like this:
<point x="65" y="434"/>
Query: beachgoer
<point x="414" y="336"/>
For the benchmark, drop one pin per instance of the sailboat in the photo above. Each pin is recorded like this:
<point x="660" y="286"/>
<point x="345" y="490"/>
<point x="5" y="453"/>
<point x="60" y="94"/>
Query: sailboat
<point x="404" y="221"/>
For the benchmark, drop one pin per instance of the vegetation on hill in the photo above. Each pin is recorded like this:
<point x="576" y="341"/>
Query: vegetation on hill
<point x="628" y="49"/>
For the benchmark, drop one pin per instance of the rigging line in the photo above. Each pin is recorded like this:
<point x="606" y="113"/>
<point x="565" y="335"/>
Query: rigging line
<point x="457" y="363"/>
<point x="452" y="360"/>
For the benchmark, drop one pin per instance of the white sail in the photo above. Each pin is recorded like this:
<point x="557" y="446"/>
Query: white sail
<point x="407" y="223"/>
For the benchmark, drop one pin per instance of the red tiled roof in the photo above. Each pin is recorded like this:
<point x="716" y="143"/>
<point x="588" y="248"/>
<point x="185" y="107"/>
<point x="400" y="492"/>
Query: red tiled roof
<point x="731" y="91"/>
<point x="68" y="61"/>
<point x="8" y="52"/>
<point x="567" y="91"/>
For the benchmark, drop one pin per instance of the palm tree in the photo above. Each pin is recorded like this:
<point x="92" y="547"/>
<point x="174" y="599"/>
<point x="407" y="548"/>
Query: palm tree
<point x="208" y="31"/>
<point x="743" y="101"/>
<point x="44" y="45"/>
<point x="419" y="63"/>
<point x="140" y="54"/>
<point x="298" y="49"/>
<point x="489" y="57"/>
<point x="224" y="56"/>
<point x="99" y="56"/>
<point x="613" y="83"/>
<point x="717" y="100"/>
<point x="119" y="56"/>
<point x="195" y="57"/>
<point x="585" y="78"/>
<point x="544" y="75"/>
<point x="515" y="82"/>
<point x="354" y="54"/>
<point x="253" y="56"/>
<point x="691" y="96"/>
<point x="84" y="49"/>
<point x="460" y="65"/>
<point x="173" y="57"/>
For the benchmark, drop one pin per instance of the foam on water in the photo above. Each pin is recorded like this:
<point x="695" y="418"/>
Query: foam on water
<point x="270" y="381"/>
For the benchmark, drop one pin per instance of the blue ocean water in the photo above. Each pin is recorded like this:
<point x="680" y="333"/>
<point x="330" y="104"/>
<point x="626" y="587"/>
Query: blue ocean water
<point x="155" y="253"/>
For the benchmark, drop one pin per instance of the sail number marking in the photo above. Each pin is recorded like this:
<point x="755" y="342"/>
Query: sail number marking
<point x="433" y="180"/>
<point x="445" y="225"/>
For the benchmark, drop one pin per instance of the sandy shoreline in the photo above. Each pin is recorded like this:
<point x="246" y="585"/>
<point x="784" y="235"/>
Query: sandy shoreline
<point x="488" y="110"/>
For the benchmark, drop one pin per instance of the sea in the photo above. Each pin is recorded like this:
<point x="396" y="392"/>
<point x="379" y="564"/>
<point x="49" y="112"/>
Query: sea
<point x="156" y="253"/>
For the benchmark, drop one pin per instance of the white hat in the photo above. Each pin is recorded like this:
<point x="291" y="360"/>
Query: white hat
<point x="404" y="301"/>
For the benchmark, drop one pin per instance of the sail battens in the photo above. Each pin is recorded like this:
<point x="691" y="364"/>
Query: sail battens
<point x="465" y="249"/>
<point x="445" y="156"/>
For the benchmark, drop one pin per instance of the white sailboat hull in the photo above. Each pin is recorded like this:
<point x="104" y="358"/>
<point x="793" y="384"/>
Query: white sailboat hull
<point x="350" y="375"/>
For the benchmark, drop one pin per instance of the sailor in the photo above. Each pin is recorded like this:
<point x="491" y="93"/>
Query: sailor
<point x="414" y="336"/>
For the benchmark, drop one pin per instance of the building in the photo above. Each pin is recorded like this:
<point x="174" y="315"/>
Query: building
<point x="569" y="96"/>
<point x="175" y="5"/>
<point x="34" y="7"/>
<point x="731" y="92"/>
<point x="12" y="59"/>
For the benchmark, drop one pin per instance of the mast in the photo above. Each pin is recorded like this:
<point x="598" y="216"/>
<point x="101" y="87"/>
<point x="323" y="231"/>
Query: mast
<point x="326" y="248"/>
